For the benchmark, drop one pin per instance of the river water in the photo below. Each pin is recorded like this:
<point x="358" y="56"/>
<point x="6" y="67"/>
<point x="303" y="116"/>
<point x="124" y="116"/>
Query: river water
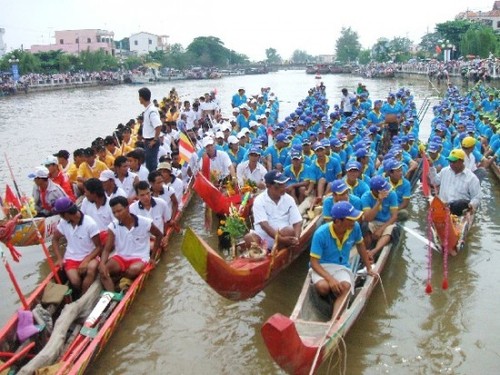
<point x="178" y="325"/>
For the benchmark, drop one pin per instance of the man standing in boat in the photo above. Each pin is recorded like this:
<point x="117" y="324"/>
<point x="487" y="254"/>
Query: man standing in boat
<point x="459" y="187"/>
<point x="330" y="252"/>
<point x="276" y="214"/>
<point x="83" y="248"/>
<point x="151" y="128"/>
<point x="129" y="235"/>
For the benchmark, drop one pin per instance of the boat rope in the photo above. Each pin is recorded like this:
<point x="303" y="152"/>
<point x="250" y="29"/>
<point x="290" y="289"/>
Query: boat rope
<point x="428" y="287"/>
<point x="445" y="248"/>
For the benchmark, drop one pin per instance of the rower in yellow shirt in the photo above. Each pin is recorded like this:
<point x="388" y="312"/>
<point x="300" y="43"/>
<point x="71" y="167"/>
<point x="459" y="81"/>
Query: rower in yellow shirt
<point x="90" y="168"/>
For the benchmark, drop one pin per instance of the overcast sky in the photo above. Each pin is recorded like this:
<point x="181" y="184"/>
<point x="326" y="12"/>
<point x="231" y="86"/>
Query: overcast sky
<point x="248" y="27"/>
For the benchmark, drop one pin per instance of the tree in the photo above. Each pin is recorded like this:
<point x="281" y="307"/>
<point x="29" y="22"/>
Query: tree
<point x="49" y="61"/>
<point x="381" y="50"/>
<point x="301" y="57"/>
<point x="400" y="49"/>
<point x="479" y="40"/>
<point x="365" y="56"/>
<point x="453" y="31"/>
<point x="347" y="46"/>
<point x="272" y="56"/>
<point x="209" y="51"/>
<point x="429" y="42"/>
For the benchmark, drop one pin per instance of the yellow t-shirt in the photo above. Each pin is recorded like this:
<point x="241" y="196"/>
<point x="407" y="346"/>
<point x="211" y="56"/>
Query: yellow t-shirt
<point x="86" y="172"/>
<point x="72" y="172"/>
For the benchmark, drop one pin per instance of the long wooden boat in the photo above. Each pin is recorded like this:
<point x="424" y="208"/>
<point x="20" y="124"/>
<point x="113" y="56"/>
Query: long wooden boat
<point x="242" y="278"/>
<point x="25" y="233"/>
<point x="309" y="336"/>
<point x="449" y="230"/>
<point x="85" y="345"/>
<point x="495" y="169"/>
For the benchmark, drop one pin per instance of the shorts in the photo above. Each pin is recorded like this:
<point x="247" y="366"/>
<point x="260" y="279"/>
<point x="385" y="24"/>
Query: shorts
<point x="339" y="272"/>
<point x="125" y="263"/>
<point x="71" y="264"/>
<point x="374" y="225"/>
<point x="103" y="237"/>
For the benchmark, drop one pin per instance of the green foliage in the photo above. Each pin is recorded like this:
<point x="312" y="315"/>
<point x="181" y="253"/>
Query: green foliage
<point x="132" y="62"/>
<point x="49" y="61"/>
<point x="301" y="57"/>
<point x="96" y="61"/>
<point x="365" y="56"/>
<point x="381" y="49"/>
<point x="479" y="40"/>
<point x="429" y="42"/>
<point x="400" y="49"/>
<point x="453" y="31"/>
<point x="272" y="56"/>
<point x="209" y="51"/>
<point x="347" y="46"/>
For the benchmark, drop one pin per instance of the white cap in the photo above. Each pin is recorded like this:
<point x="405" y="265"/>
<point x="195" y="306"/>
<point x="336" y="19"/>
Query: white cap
<point x="39" y="172"/>
<point x="107" y="175"/>
<point x="232" y="139"/>
<point x="51" y="159"/>
<point x="240" y="134"/>
<point x="219" y="135"/>
<point x="236" y="109"/>
<point x="244" y="106"/>
<point x="207" y="141"/>
<point x="253" y="123"/>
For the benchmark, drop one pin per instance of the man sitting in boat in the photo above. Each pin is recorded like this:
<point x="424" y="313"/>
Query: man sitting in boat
<point x="91" y="167"/>
<point x="107" y="178"/>
<point x="58" y="176"/>
<point x="275" y="214"/>
<point x="83" y="248"/>
<point x="476" y="162"/>
<point x="340" y="193"/>
<point x="298" y="174"/>
<point x="217" y="162"/>
<point x="380" y="208"/>
<point x="330" y="252"/>
<point x="96" y="205"/>
<point x="129" y="236"/>
<point x="459" y="187"/>
<point x="394" y="170"/>
<point x="155" y="209"/>
<point x="252" y="169"/>
<point x="45" y="192"/>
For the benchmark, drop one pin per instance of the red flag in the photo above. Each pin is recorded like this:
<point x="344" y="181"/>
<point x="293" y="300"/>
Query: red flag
<point x="425" y="176"/>
<point x="10" y="198"/>
<point x="438" y="49"/>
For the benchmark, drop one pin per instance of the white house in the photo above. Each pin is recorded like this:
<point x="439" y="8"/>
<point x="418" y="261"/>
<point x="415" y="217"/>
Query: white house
<point x="142" y="43"/>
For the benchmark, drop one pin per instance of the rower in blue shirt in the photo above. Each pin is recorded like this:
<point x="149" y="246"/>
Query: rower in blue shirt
<point x="340" y="192"/>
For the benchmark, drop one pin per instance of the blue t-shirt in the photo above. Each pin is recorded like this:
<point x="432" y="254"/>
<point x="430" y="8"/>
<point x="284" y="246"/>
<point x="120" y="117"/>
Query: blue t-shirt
<point x="389" y="203"/>
<point x="328" y="204"/>
<point x="402" y="189"/>
<point x="327" y="248"/>
<point x="331" y="171"/>
<point x="302" y="176"/>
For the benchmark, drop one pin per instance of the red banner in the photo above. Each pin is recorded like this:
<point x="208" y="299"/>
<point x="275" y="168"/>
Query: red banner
<point x="213" y="197"/>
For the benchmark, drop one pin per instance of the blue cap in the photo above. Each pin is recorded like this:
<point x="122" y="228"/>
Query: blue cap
<point x="255" y="150"/>
<point x="433" y="147"/>
<point x="379" y="183"/>
<point x="361" y="153"/>
<point x="373" y="128"/>
<point x="392" y="164"/>
<point x="281" y="137"/>
<point x="335" y="142"/>
<point x="325" y="142"/>
<point x="353" y="130"/>
<point x="318" y="145"/>
<point x="275" y="177"/>
<point x="339" y="186"/>
<point x="353" y="164"/>
<point x="345" y="210"/>
<point x="63" y="204"/>
<point x="295" y="154"/>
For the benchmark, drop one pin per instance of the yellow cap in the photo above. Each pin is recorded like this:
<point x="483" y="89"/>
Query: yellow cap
<point x="468" y="142"/>
<point x="456" y="154"/>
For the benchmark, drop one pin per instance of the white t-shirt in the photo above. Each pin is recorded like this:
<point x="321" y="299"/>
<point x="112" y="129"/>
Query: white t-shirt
<point x="283" y="214"/>
<point x="158" y="212"/>
<point x="220" y="162"/>
<point x="102" y="215"/>
<point x="133" y="243"/>
<point x="79" y="238"/>
<point x="151" y="121"/>
<point x="128" y="184"/>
